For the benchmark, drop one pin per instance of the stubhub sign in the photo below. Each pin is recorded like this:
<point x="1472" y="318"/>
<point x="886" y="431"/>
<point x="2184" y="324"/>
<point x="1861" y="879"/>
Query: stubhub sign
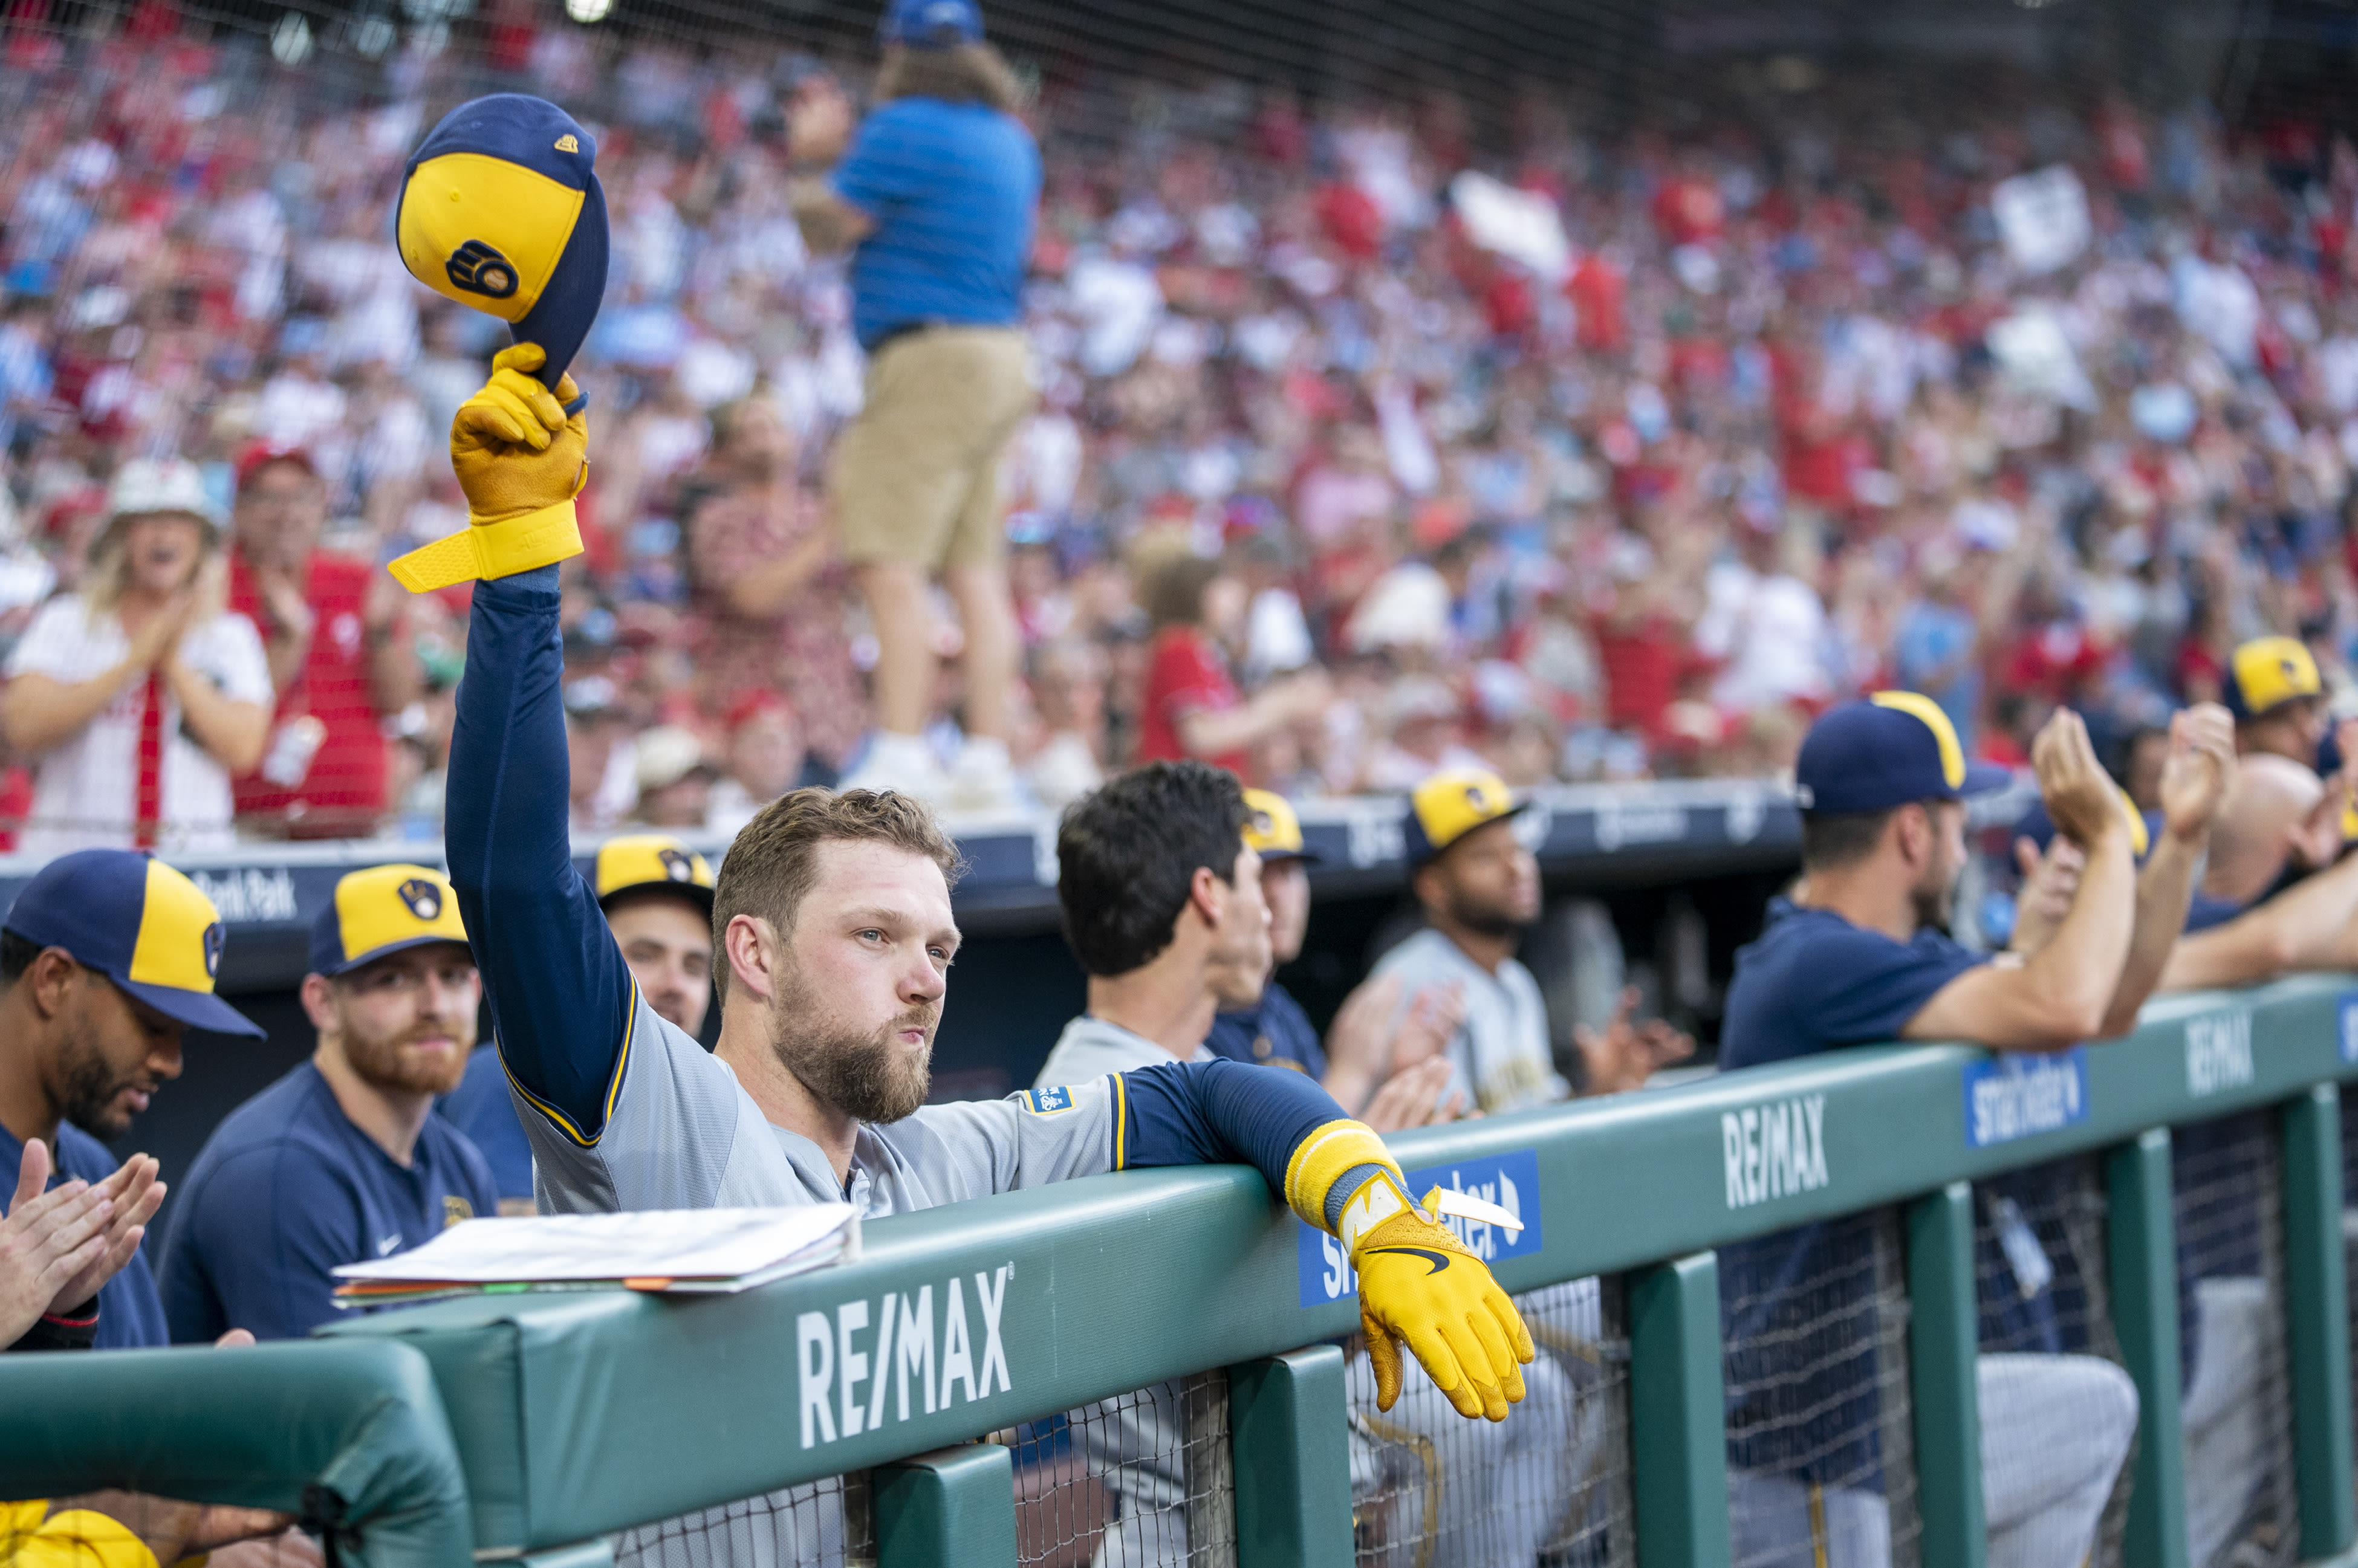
<point x="1510" y="1181"/>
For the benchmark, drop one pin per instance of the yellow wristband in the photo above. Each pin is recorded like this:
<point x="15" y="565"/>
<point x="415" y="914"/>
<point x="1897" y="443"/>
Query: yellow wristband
<point x="490" y="550"/>
<point x="1322" y="1159"/>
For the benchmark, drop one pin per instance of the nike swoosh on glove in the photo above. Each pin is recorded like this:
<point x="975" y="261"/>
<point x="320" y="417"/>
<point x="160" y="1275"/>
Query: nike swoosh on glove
<point x="521" y="457"/>
<point x="1419" y="1284"/>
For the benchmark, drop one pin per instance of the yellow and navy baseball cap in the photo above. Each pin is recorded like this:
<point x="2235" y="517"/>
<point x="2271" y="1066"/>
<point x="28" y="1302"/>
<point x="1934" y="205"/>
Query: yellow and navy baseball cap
<point x="2269" y="672"/>
<point x="501" y="211"/>
<point x="381" y="910"/>
<point x="139" y="922"/>
<point x="1271" y="830"/>
<point x="1885" y="749"/>
<point x="1448" y="805"/>
<point x="638" y="860"/>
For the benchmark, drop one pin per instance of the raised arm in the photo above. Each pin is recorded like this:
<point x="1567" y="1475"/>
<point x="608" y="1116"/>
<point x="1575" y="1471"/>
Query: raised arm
<point x="2194" y="781"/>
<point x="559" y="993"/>
<point x="1417" y="1281"/>
<point x="2062" y="994"/>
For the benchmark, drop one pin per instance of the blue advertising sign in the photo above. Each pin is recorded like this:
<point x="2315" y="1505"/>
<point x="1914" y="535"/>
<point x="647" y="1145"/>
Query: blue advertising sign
<point x="2011" y="1096"/>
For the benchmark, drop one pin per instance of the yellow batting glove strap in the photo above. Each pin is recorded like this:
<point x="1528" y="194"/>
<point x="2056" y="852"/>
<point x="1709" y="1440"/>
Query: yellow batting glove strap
<point x="1320" y="1160"/>
<point x="1419" y="1284"/>
<point x="493" y="549"/>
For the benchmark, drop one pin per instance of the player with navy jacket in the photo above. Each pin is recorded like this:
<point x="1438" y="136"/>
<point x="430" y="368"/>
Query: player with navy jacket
<point x="1857" y="955"/>
<point x="340" y="1161"/>
<point x="106" y="958"/>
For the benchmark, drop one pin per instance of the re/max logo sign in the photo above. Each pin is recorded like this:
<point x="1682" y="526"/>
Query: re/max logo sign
<point x="1774" y="1150"/>
<point x="844" y="1375"/>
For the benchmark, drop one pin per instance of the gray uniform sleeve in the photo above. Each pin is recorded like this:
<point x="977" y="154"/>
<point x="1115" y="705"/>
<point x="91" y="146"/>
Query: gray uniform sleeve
<point x="674" y="1115"/>
<point x="974" y="1148"/>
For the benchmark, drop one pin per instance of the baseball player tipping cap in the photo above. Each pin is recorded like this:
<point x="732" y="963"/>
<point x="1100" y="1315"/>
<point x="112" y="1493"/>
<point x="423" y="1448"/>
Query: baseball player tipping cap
<point x="1271" y="830"/>
<point x="140" y="923"/>
<point x="1448" y="805"/>
<point x="638" y="860"/>
<point x="501" y="211"/>
<point x="2266" y="672"/>
<point x="1887" y="749"/>
<point x="382" y="911"/>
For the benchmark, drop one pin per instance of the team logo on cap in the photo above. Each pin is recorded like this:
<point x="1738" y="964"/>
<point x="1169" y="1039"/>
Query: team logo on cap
<point x="479" y="270"/>
<point x="568" y="143"/>
<point x="676" y="866"/>
<point x="216" y="937"/>
<point x="1262" y="824"/>
<point x="1478" y="797"/>
<point x="424" y="899"/>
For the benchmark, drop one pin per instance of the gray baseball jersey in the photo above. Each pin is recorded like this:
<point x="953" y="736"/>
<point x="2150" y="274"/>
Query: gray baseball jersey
<point x="681" y="1132"/>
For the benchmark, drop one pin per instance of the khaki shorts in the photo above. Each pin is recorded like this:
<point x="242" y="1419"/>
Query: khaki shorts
<point x="915" y="476"/>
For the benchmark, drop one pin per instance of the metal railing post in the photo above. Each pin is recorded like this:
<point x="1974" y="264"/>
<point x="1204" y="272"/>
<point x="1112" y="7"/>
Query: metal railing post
<point x="1678" y="1414"/>
<point x="954" y="1508"/>
<point x="1289" y="1429"/>
<point x="2317" y="1321"/>
<point x="1944" y="1352"/>
<point x="2144" y="1257"/>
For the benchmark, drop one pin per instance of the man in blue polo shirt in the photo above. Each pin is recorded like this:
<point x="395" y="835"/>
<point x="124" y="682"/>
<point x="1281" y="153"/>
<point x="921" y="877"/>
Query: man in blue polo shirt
<point x="933" y="194"/>
<point x="106" y="958"/>
<point x="1859" y="956"/>
<point x="340" y="1161"/>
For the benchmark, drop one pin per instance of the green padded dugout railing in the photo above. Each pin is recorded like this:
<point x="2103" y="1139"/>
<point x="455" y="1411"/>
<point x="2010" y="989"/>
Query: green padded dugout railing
<point x="349" y="1436"/>
<point x="576" y="1416"/>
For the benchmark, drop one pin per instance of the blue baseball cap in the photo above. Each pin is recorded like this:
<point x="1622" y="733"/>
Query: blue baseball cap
<point x="501" y="211"/>
<point x="139" y="922"/>
<point x="930" y="24"/>
<point x="1887" y="749"/>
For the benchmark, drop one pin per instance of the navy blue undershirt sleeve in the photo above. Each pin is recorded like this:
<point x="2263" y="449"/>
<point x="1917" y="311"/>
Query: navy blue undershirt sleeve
<point x="1211" y="1113"/>
<point x="558" y="990"/>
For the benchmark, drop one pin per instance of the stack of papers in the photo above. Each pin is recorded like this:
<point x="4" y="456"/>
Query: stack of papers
<point x="712" y="1250"/>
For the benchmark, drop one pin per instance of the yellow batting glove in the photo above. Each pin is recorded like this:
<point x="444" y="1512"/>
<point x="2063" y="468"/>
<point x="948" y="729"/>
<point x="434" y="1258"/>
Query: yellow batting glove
<point x="1417" y="1280"/>
<point x="521" y="458"/>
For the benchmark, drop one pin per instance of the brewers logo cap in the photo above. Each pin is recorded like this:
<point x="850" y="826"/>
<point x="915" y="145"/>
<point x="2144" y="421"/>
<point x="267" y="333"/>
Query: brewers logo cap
<point x="139" y="922"/>
<point x="652" y="860"/>
<point x="501" y="211"/>
<point x="1886" y="749"/>
<point x="382" y="911"/>
<point x="1448" y="805"/>
<point x="930" y="24"/>
<point x="1271" y="830"/>
<point x="2269" y="672"/>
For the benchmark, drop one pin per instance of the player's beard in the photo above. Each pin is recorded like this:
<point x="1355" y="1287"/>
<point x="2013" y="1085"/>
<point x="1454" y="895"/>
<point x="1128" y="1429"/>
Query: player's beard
<point x="871" y="1075"/>
<point x="1485" y="918"/>
<point x="89" y="1087"/>
<point x="384" y="1061"/>
<point x="1934" y="896"/>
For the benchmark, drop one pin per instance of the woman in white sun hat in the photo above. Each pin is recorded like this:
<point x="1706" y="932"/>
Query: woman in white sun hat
<point x="136" y="699"/>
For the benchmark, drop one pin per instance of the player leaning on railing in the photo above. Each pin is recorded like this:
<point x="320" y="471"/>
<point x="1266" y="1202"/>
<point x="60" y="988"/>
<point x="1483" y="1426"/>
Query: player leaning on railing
<point x="833" y="921"/>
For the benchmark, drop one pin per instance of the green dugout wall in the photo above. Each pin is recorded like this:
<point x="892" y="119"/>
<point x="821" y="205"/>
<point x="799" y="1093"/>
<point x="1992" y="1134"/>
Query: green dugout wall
<point x="539" y="1426"/>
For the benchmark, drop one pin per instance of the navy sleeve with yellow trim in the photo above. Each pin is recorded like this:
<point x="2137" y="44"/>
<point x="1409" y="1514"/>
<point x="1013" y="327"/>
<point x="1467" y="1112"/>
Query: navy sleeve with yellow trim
<point x="1203" y="1113"/>
<point x="559" y="993"/>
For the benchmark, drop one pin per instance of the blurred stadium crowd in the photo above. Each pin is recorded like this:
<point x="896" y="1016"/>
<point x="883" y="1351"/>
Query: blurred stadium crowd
<point x="1768" y="407"/>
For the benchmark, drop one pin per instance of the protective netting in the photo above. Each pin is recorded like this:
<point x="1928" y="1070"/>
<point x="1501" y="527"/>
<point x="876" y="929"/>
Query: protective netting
<point x="2043" y="1288"/>
<point x="1431" y="1489"/>
<point x="1820" y="1447"/>
<point x="1142" y="1480"/>
<point x="821" y="1524"/>
<point x="2240" y="1506"/>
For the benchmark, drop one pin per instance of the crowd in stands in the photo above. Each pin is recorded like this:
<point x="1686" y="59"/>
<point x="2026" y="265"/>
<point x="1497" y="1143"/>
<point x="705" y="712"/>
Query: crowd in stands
<point x="1793" y="418"/>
